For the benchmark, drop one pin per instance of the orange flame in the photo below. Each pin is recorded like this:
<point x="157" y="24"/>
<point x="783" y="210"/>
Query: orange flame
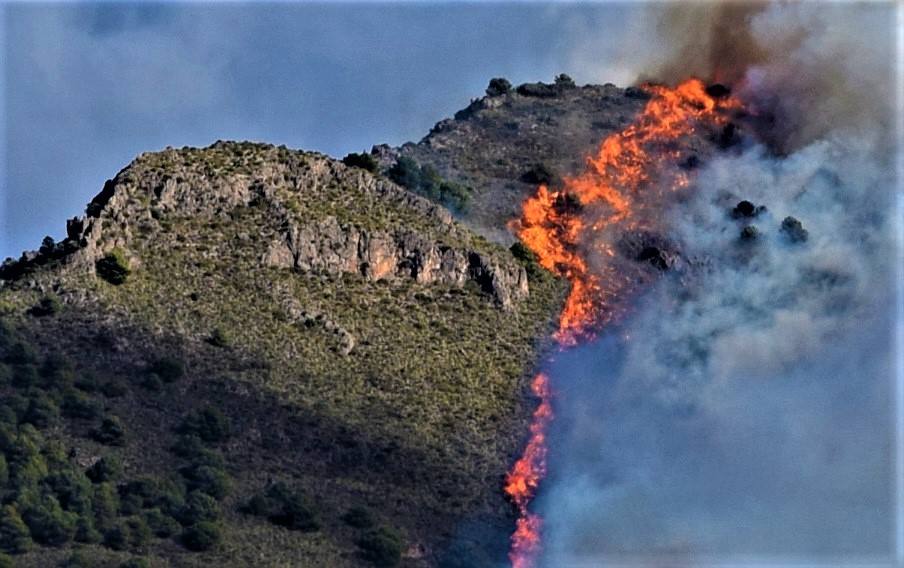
<point x="631" y="171"/>
<point x="631" y="167"/>
<point x="522" y="481"/>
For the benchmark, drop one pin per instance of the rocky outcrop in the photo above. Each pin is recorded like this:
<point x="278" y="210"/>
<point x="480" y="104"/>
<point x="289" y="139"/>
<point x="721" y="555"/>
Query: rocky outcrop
<point x="328" y="246"/>
<point x="396" y="234"/>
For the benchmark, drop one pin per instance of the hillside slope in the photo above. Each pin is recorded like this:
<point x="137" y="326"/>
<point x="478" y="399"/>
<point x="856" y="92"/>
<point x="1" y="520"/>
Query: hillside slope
<point x="245" y="320"/>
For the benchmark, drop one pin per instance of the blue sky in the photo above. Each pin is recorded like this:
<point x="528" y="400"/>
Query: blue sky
<point x="90" y="86"/>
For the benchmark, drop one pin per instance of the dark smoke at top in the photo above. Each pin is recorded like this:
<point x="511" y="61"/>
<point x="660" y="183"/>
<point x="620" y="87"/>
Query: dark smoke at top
<point x="805" y="68"/>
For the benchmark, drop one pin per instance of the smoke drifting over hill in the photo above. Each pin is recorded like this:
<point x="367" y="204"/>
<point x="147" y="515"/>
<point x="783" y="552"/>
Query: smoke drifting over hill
<point x="744" y="407"/>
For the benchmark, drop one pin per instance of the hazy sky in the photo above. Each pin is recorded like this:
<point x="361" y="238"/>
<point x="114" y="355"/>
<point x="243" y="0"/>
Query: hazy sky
<point x="90" y="86"/>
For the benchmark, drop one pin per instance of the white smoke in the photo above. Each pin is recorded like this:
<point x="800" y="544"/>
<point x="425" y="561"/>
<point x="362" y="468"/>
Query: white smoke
<point x="743" y="410"/>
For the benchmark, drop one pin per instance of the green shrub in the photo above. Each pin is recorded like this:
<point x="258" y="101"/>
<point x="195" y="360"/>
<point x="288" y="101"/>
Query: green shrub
<point x="207" y="479"/>
<point x="105" y="504"/>
<point x="77" y="404"/>
<point x="540" y="174"/>
<point x="210" y="425"/>
<point x="219" y="338"/>
<point x="46" y="306"/>
<point x="113" y="389"/>
<point x="107" y="468"/>
<point x="87" y="382"/>
<point x="15" y="538"/>
<point x="406" y="173"/>
<point x="48" y="523"/>
<point x="199" y="507"/>
<point x="111" y="432"/>
<point x="381" y="547"/>
<point x="6" y="561"/>
<point x="498" y="86"/>
<point x="117" y="537"/>
<point x="152" y="382"/>
<point x="6" y="375"/>
<point x="4" y="471"/>
<point x="113" y="267"/>
<point x="42" y="411"/>
<point x="201" y="536"/>
<point x="563" y="81"/>
<point x="85" y="532"/>
<point x="139" y="532"/>
<point x="161" y="524"/>
<point x="286" y="507"/>
<point x="71" y="487"/>
<point x="427" y="182"/>
<point x="359" y="517"/>
<point x="19" y="353"/>
<point x="25" y="376"/>
<point x="169" y="369"/>
<point x="363" y="161"/>
<point x="188" y="446"/>
<point x="78" y="559"/>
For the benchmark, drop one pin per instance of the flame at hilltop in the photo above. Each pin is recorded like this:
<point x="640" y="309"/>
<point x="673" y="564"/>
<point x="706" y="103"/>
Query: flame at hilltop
<point x="571" y="232"/>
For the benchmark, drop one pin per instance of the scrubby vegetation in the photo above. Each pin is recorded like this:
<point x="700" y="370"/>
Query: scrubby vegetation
<point x="363" y="161"/>
<point x="426" y="181"/>
<point x="498" y="86"/>
<point x="184" y="416"/>
<point x="113" y="267"/>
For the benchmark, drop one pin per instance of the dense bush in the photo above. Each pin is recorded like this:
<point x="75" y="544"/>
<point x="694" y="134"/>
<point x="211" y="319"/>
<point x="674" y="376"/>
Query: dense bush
<point x="117" y="536"/>
<point x="541" y="90"/>
<point x="363" y="161"/>
<point x="540" y="174"/>
<point x="498" y="86"/>
<point x="77" y="404"/>
<point x="201" y="536"/>
<point x="426" y="181"/>
<point x="563" y="81"/>
<point x="113" y="267"/>
<point x="199" y="507"/>
<point x="359" y="517"/>
<point x="284" y="506"/>
<point x="15" y="537"/>
<point x="19" y="353"/>
<point x="210" y="425"/>
<point x="46" y="306"/>
<point x="47" y="522"/>
<point x="161" y="524"/>
<point x="111" y="432"/>
<point x="42" y="410"/>
<point x="169" y="369"/>
<point x="219" y="338"/>
<point x="382" y="547"/>
<point x="107" y="468"/>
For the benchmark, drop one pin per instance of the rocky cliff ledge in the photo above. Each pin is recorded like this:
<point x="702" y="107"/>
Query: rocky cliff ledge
<point x="322" y="216"/>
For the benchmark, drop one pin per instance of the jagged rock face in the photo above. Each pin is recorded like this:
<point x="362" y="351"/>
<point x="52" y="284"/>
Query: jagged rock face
<point x="328" y="246"/>
<point x="299" y="192"/>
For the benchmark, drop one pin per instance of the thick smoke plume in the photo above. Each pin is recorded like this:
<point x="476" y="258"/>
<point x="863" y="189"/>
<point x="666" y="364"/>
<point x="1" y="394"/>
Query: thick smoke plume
<point x="743" y="409"/>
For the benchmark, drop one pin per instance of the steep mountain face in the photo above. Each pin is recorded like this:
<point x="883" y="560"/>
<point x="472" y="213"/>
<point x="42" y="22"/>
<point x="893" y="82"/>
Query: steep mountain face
<point x="359" y="356"/>
<point x="248" y="355"/>
<point x="505" y="143"/>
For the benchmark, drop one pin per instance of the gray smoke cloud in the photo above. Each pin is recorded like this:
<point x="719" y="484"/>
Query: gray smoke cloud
<point x="743" y="413"/>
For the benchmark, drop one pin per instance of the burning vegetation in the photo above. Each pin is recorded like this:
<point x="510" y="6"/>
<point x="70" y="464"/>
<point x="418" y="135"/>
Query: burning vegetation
<point x="575" y="231"/>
